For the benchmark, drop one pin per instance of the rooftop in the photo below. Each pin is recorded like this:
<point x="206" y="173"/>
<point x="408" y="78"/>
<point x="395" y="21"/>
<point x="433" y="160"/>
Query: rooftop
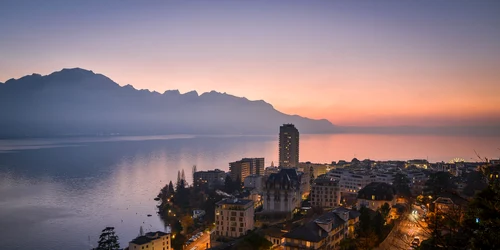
<point x="311" y="231"/>
<point x="273" y="232"/>
<point x="377" y="191"/>
<point x="234" y="202"/>
<point x="148" y="237"/>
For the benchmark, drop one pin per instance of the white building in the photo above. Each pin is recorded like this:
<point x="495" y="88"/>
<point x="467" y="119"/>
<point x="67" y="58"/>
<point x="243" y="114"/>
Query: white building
<point x="282" y="192"/>
<point x="352" y="181"/>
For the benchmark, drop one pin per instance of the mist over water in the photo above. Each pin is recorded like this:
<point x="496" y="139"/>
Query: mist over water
<point x="60" y="192"/>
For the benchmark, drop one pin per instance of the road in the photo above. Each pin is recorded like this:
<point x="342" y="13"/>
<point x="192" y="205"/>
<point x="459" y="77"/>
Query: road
<point x="201" y="244"/>
<point x="410" y="226"/>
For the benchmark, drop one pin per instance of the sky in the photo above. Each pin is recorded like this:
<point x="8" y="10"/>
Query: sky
<point x="355" y="63"/>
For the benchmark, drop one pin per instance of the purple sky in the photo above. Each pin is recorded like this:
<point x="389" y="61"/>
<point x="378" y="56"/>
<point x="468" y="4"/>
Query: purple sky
<point x="362" y="63"/>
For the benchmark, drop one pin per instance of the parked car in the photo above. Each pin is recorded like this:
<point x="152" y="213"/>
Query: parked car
<point x="416" y="241"/>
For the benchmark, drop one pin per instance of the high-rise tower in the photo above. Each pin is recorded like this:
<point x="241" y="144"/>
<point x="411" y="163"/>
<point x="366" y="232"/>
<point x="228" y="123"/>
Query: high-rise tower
<point x="289" y="146"/>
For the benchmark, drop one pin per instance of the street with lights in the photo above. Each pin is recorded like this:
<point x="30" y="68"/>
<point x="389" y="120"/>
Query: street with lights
<point x="203" y="242"/>
<point x="411" y="230"/>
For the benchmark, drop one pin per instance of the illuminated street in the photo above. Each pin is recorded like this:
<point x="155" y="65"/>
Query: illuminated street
<point x="202" y="243"/>
<point x="409" y="227"/>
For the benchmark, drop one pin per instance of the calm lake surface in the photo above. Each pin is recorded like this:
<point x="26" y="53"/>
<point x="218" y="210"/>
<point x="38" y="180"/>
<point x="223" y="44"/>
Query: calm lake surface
<point x="60" y="193"/>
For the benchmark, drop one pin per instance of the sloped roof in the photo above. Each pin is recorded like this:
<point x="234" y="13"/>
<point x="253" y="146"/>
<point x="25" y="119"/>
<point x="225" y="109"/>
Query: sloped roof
<point x="311" y="231"/>
<point x="353" y="214"/>
<point x="148" y="237"/>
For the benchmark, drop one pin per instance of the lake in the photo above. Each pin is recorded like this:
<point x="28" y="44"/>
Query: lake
<point x="60" y="193"/>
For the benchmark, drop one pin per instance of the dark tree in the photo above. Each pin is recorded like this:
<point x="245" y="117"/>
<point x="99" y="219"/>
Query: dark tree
<point x="238" y="184"/>
<point x="178" y="241"/>
<point x="377" y="225"/>
<point x="482" y="221"/>
<point x="384" y="210"/>
<point x="364" y="220"/>
<point x="439" y="183"/>
<point x="253" y="241"/>
<point x="476" y="181"/>
<point x="178" y="178"/>
<point x="402" y="185"/>
<point x="108" y="240"/>
<point x="182" y="195"/>
<point x="228" y="185"/>
<point x="171" y="189"/>
<point x="348" y="244"/>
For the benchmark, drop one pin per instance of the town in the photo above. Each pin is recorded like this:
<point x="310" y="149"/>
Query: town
<point x="356" y="204"/>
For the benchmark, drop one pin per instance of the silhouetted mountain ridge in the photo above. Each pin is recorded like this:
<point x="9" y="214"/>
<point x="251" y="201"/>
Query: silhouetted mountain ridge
<point x="81" y="102"/>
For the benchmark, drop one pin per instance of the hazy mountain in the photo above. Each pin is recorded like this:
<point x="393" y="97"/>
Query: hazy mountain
<point x="80" y="102"/>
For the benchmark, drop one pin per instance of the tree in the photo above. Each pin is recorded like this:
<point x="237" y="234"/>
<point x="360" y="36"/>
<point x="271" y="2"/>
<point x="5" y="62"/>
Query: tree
<point x="186" y="222"/>
<point x="238" y="185"/>
<point x="228" y="185"/>
<point x="348" y="244"/>
<point x="439" y="183"/>
<point x="377" y="225"/>
<point x="183" y="176"/>
<point x="364" y="220"/>
<point x="482" y="221"/>
<point x="108" y="240"/>
<point x="171" y="189"/>
<point x="401" y="184"/>
<point x="178" y="241"/>
<point x="141" y="231"/>
<point x="178" y="178"/>
<point x="476" y="181"/>
<point x="384" y="210"/>
<point x="367" y="240"/>
<point x="254" y="241"/>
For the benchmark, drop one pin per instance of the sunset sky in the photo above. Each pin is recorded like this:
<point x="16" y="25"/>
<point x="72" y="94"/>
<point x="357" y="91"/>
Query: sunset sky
<point x="359" y="63"/>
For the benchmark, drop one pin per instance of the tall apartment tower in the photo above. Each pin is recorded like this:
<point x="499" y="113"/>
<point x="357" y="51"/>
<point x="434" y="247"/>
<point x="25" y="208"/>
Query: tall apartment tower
<point x="289" y="146"/>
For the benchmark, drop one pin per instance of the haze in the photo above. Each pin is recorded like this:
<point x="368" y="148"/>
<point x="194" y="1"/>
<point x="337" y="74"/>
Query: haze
<point x="355" y="63"/>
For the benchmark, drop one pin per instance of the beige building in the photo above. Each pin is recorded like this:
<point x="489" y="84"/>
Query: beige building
<point x="325" y="192"/>
<point x="315" y="169"/>
<point x="239" y="170"/>
<point x="151" y="241"/>
<point x="275" y="236"/>
<point x="233" y="218"/>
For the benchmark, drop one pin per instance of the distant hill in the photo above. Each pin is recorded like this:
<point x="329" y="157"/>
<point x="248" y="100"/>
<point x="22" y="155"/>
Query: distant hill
<point x="80" y="102"/>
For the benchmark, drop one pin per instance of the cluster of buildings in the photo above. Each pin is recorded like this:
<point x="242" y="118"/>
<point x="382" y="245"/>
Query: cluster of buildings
<point x="339" y="188"/>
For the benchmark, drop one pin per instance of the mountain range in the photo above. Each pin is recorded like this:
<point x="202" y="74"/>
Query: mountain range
<point x="79" y="102"/>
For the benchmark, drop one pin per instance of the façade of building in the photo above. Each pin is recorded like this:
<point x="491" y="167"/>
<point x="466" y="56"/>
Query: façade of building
<point x="325" y="192"/>
<point x="240" y="170"/>
<point x="151" y="241"/>
<point x="233" y="218"/>
<point x="282" y="192"/>
<point x="289" y="146"/>
<point x="212" y="178"/>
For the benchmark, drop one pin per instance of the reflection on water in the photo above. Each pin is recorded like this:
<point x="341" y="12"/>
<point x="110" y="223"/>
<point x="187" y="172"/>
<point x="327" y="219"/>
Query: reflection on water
<point x="56" y="193"/>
